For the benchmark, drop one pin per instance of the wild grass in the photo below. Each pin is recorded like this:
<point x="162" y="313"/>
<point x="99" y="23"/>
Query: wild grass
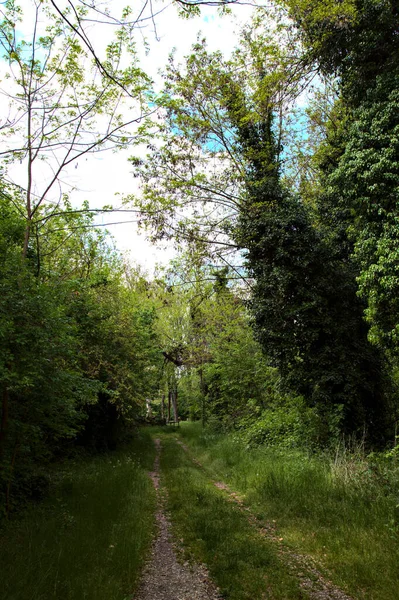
<point x="88" y="540"/>
<point x="214" y="531"/>
<point x="340" y="509"/>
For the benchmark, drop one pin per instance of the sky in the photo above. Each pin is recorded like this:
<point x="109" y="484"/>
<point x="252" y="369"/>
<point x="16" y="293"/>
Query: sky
<point x="100" y="178"/>
<point x="108" y="174"/>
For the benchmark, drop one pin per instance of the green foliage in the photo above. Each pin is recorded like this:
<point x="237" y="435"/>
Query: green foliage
<point x="291" y="424"/>
<point x="78" y="348"/>
<point x="221" y="371"/>
<point x="366" y="182"/>
<point x="358" y="42"/>
<point x="356" y="39"/>
<point x="63" y="101"/>
<point x="238" y="380"/>
<point x="190" y="396"/>
<point x="307" y="314"/>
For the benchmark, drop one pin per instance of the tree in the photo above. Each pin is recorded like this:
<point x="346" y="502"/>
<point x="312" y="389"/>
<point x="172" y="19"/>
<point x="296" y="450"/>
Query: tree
<point x="210" y="351"/>
<point x="367" y="178"/>
<point x="79" y="352"/>
<point x="192" y="179"/>
<point x="354" y="39"/>
<point x="308" y="316"/>
<point x="307" y="313"/>
<point x="63" y="103"/>
<point x="357" y="41"/>
<point x="39" y="354"/>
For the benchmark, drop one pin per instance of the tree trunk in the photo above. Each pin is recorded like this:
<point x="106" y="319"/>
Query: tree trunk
<point x="202" y="387"/>
<point x="8" y="490"/>
<point x="26" y="239"/>
<point x="176" y="409"/>
<point x="4" y="419"/>
<point x="163" y="407"/>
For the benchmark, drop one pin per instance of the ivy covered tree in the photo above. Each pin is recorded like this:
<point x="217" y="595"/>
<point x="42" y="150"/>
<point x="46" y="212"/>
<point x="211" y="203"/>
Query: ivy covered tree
<point x="307" y="314"/>
<point x="357" y="41"/>
<point x="307" y="311"/>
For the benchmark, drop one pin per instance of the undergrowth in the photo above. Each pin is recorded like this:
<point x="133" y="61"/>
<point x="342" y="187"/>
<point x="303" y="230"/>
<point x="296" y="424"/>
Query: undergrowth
<point x="88" y="540"/>
<point x="341" y="508"/>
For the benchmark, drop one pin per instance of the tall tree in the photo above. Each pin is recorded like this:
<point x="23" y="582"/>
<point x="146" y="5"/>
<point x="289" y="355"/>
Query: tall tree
<point x="357" y="41"/>
<point x="307" y="311"/>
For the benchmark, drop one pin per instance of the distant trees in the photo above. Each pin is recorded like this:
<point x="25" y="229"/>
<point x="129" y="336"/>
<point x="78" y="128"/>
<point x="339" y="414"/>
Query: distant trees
<point x="211" y="354"/>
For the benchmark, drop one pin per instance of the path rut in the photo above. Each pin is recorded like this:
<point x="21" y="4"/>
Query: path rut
<point x="164" y="577"/>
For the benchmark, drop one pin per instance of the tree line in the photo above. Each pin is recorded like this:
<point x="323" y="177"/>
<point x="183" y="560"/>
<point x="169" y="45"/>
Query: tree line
<point x="275" y="173"/>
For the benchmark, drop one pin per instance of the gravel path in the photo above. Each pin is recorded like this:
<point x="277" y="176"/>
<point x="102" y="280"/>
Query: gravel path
<point x="164" y="577"/>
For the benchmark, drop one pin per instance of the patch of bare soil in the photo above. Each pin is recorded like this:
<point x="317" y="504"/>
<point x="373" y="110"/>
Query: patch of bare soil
<point x="311" y="580"/>
<point x="164" y="577"/>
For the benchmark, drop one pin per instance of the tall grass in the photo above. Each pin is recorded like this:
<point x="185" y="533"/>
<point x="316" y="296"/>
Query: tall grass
<point x="88" y="540"/>
<point x="243" y="564"/>
<point x="340" y="509"/>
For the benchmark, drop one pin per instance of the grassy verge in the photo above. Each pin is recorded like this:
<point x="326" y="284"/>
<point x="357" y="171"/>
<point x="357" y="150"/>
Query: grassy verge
<point x="338" y="511"/>
<point x="88" y="540"/>
<point x="241" y="562"/>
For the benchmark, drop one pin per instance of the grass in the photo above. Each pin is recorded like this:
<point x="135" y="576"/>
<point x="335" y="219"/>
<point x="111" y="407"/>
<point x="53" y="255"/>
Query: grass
<point x="214" y="531"/>
<point x="339" y="511"/>
<point x="88" y="540"/>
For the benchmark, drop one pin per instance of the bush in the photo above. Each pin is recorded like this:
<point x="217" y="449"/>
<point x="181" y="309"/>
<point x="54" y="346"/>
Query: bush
<point x="292" y="424"/>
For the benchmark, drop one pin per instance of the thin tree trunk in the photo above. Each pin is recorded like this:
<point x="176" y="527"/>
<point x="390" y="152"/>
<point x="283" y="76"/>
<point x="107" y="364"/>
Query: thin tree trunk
<point x="202" y="387"/>
<point x="163" y="407"/>
<point x="26" y="238"/>
<point x="30" y="177"/>
<point x="4" y="419"/>
<point x="176" y="409"/>
<point x="8" y="490"/>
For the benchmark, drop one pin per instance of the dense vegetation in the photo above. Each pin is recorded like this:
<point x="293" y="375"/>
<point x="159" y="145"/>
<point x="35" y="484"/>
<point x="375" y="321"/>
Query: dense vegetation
<point x="303" y="202"/>
<point x="279" y="317"/>
<point x="79" y="350"/>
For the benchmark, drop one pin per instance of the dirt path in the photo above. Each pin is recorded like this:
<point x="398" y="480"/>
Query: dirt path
<point x="164" y="577"/>
<point x="311" y="580"/>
